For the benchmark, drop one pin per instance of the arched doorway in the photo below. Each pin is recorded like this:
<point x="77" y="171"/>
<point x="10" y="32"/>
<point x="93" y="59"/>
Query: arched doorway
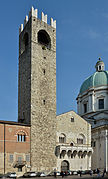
<point x="64" y="165"/>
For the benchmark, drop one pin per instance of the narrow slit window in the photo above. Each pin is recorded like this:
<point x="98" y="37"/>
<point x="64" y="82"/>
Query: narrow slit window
<point x="25" y="39"/>
<point x="85" y="107"/>
<point x="23" y="138"/>
<point x="18" y="138"/>
<point x="101" y="104"/>
<point x="44" y="71"/>
<point x="11" y="158"/>
<point x="44" y="101"/>
<point x="99" y="67"/>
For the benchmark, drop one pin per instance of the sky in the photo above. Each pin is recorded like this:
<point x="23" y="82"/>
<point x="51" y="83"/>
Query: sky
<point x="82" y="37"/>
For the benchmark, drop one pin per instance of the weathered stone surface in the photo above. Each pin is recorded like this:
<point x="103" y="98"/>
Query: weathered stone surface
<point x="37" y="93"/>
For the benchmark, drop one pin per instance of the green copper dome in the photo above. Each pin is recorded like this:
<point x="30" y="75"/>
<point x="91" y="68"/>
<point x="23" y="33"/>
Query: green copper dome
<point x="99" y="78"/>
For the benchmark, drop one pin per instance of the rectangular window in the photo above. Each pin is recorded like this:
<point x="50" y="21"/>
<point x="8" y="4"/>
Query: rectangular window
<point x="61" y="139"/>
<point x="11" y="158"/>
<point x="18" y="138"/>
<point x="85" y="107"/>
<point x="101" y="103"/>
<point x="99" y="67"/>
<point x="27" y="158"/>
<point x="23" y="138"/>
<point x="94" y="144"/>
<point x="72" y="119"/>
<point x="19" y="159"/>
<point x="19" y="169"/>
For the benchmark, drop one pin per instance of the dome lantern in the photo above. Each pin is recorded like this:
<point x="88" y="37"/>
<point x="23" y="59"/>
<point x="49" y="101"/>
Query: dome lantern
<point x="100" y="65"/>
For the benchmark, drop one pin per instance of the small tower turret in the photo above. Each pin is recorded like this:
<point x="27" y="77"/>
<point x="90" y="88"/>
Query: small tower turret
<point x="100" y="65"/>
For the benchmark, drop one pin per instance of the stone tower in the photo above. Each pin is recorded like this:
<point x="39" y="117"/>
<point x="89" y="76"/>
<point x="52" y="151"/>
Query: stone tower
<point x="37" y="87"/>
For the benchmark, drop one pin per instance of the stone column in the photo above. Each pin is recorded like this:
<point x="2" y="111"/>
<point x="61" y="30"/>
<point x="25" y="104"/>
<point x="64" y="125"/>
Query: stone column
<point x="79" y="106"/>
<point x="106" y="149"/>
<point x="90" y="103"/>
<point x="93" y="101"/>
<point x="81" y="109"/>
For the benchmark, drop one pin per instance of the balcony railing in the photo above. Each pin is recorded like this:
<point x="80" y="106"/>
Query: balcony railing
<point x="19" y="164"/>
<point x="68" y="148"/>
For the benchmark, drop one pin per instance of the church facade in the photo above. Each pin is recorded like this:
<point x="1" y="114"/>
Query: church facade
<point x="73" y="142"/>
<point x="92" y="103"/>
<point x="51" y="142"/>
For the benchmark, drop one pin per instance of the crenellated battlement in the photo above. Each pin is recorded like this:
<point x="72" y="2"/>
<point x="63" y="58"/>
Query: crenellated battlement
<point x="34" y="13"/>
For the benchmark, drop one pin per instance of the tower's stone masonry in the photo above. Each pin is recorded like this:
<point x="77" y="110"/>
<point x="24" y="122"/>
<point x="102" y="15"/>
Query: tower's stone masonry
<point x="37" y="88"/>
<point x="24" y="83"/>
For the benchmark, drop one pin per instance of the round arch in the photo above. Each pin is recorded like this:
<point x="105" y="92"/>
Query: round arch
<point x="25" y="39"/>
<point x="23" y="132"/>
<point x="64" y="166"/>
<point x="81" y="139"/>
<point x="44" y="38"/>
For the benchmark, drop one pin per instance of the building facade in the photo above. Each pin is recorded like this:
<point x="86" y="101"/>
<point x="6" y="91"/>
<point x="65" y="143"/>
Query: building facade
<point x="14" y="147"/>
<point x="72" y="150"/>
<point x="92" y="103"/>
<point x="73" y="144"/>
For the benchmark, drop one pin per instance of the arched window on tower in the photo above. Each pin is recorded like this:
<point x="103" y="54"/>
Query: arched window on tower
<point x="25" y="40"/>
<point x="44" y="39"/>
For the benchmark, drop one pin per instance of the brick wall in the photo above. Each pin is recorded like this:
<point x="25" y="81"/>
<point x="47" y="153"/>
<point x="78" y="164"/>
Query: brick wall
<point x="10" y="146"/>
